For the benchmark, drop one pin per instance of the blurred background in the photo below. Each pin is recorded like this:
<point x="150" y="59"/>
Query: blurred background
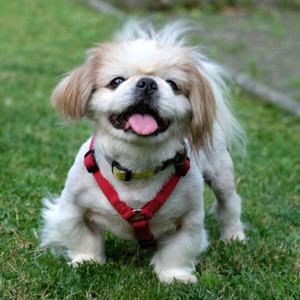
<point x="259" y="38"/>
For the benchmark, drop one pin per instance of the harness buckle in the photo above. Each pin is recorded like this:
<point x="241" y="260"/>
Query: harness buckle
<point x="182" y="162"/>
<point x="90" y="162"/>
<point x="180" y="157"/>
<point x="143" y="234"/>
<point x="148" y="244"/>
<point x="137" y="216"/>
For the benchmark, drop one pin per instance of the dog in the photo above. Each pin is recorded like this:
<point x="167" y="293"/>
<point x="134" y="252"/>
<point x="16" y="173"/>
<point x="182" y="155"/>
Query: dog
<point x="162" y="127"/>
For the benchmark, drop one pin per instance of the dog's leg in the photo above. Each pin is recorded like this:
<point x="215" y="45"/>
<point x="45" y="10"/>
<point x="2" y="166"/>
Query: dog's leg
<point x="176" y="255"/>
<point x="66" y="226"/>
<point x="219" y="175"/>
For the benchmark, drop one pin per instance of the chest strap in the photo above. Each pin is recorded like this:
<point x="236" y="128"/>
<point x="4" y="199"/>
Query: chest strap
<point x="138" y="218"/>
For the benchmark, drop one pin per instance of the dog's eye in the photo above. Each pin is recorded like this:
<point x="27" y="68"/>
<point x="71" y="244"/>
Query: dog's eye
<point x="113" y="85"/>
<point x="173" y="86"/>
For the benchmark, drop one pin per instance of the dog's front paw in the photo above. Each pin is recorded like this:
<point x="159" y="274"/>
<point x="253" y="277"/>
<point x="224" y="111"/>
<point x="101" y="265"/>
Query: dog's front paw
<point x="172" y="275"/>
<point x="78" y="258"/>
<point x="232" y="233"/>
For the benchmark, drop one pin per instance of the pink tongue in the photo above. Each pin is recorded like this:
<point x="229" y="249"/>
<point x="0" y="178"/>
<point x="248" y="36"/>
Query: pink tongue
<point x="142" y="124"/>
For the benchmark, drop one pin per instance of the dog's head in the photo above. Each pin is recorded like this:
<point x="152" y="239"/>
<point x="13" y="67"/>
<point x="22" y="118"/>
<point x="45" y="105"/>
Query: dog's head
<point x="141" y="90"/>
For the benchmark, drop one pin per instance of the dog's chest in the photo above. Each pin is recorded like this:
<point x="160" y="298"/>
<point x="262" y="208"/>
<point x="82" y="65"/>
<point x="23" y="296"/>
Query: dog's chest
<point x="166" y="220"/>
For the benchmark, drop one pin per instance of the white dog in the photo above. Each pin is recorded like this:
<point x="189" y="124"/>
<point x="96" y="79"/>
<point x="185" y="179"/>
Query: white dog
<point x="162" y="127"/>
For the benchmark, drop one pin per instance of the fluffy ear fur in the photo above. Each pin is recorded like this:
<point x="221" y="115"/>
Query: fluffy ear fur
<point x="204" y="110"/>
<point x="72" y="93"/>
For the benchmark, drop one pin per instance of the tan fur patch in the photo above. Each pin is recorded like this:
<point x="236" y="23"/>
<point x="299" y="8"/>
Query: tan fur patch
<point x="204" y="110"/>
<point x="72" y="93"/>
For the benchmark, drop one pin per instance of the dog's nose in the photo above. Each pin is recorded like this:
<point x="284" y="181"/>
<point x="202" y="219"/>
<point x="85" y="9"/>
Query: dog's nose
<point x="147" y="85"/>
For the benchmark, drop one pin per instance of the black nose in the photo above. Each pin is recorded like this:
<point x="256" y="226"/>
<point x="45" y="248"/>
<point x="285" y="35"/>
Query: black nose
<point x="147" y="85"/>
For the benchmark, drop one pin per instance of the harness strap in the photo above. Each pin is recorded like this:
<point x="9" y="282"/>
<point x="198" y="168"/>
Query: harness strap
<point x="138" y="218"/>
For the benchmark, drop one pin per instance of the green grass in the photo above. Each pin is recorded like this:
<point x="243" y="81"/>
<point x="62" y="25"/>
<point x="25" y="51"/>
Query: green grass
<point x="41" y="40"/>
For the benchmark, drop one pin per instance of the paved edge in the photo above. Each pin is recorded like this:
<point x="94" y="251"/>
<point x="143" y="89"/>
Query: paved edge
<point x="244" y="81"/>
<point x="104" y="8"/>
<point x="265" y="93"/>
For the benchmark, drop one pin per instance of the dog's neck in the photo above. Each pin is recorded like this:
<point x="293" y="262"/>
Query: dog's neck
<point x="137" y="158"/>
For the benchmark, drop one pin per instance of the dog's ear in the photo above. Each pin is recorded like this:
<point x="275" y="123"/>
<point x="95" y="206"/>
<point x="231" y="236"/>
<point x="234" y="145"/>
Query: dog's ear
<point x="204" y="110"/>
<point x="72" y="93"/>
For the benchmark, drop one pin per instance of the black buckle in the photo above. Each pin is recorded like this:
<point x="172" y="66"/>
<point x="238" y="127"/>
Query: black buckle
<point x="148" y="244"/>
<point x="180" y="157"/>
<point x="94" y="168"/>
<point x="181" y="170"/>
<point x="122" y="169"/>
<point x="182" y="162"/>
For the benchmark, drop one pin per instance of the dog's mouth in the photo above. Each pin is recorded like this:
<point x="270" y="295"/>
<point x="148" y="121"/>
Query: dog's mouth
<point x="141" y="120"/>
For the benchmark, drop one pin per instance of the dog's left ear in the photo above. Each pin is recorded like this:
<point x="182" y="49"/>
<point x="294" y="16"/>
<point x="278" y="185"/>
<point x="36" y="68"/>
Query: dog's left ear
<point x="204" y="110"/>
<point x="72" y="93"/>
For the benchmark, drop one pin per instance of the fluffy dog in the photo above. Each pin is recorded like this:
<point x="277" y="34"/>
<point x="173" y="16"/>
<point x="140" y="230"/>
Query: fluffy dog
<point x="154" y="101"/>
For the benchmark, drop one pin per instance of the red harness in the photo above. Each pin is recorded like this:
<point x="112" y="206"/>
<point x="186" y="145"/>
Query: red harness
<point x="137" y="218"/>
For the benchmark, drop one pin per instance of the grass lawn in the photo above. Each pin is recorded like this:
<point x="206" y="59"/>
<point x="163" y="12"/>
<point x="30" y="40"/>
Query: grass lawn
<point x="39" y="41"/>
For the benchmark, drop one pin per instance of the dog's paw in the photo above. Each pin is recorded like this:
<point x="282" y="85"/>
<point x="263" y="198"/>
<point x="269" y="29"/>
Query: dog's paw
<point x="233" y="234"/>
<point x="172" y="275"/>
<point x="78" y="258"/>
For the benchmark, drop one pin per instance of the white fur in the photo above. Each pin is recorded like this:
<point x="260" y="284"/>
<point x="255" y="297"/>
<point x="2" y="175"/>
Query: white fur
<point x="76" y="220"/>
